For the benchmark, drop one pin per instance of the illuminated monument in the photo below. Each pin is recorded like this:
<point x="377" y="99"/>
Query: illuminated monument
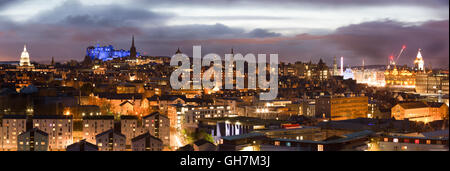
<point x="25" y="58"/>
<point x="418" y="63"/>
<point x="25" y="63"/>
<point x="106" y="53"/>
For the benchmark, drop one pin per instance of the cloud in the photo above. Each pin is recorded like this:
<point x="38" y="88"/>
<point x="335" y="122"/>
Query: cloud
<point x="65" y="32"/>
<point x="322" y="3"/>
<point x="261" y="33"/>
<point x="5" y="3"/>
<point x="379" y="39"/>
<point x="75" y="14"/>
<point x="372" y="41"/>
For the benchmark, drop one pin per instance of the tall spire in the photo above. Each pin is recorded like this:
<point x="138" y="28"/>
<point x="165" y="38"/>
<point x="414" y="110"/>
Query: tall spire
<point x="25" y="47"/>
<point x="178" y="51"/>
<point x="132" y="49"/>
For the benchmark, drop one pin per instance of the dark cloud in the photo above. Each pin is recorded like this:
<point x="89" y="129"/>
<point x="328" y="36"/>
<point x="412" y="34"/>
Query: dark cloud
<point x="261" y="33"/>
<point x="376" y="41"/>
<point x="296" y="3"/>
<point x="75" y="14"/>
<point x="5" y="3"/>
<point x="65" y="32"/>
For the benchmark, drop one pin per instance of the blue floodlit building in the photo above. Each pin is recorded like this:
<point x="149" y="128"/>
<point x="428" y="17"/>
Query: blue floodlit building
<point x="106" y="53"/>
<point x="348" y="74"/>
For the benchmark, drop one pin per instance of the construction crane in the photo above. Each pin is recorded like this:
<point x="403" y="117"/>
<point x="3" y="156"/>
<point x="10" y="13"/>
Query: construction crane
<point x="393" y="61"/>
<point x="401" y="51"/>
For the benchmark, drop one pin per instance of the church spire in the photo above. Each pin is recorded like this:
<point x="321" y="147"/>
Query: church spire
<point x="132" y="49"/>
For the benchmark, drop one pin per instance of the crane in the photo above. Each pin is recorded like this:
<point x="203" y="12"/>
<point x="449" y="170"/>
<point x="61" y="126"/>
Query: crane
<point x="401" y="51"/>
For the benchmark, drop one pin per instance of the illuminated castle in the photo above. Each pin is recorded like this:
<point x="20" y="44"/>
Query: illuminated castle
<point x="106" y="53"/>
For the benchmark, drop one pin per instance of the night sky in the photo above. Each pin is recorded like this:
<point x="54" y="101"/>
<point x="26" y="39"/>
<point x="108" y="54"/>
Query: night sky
<point x="298" y="30"/>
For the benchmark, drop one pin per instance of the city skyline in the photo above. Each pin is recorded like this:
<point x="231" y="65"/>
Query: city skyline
<point x="294" y="29"/>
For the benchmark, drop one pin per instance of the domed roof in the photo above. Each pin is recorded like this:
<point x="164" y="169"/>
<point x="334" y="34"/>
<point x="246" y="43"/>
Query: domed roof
<point x="25" y="57"/>
<point x="25" y="52"/>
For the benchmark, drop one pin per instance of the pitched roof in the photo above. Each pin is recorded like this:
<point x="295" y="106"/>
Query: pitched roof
<point x="413" y="105"/>
<point x="420" y="104"/>
<point x="120" y="96"/>
<point x="435" y="104"/>
<point x="128" y="117"/>
<point x="109" y="131"/>
<point x="52" y="117"/>
<point x="153" y="114"/>
<point x="14" y="116"/>
<point x="145" y="135"/>
<point x="125" y="102"/>
<point x="186" y="148"/>
<point x="82" y="145"/>
<point x="35" y="130"/>
<point x="166" y="97"/>
<point x="202" y="142"/>
<point x="99" y="117"/>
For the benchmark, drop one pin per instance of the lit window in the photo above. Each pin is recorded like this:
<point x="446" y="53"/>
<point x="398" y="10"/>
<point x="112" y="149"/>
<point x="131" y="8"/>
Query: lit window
<point x="417" y="141"/>
<point x="428" y="141"/>
<point x="319" y="147"/>
<point x="396" y="140"/>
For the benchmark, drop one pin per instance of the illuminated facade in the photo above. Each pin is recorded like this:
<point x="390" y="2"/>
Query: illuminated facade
<point x="106" y="53"/>
<point x="94" y="125"/>
<point x="158" y="125"/>
<point x="404" y="77"/>
<point x="12" y="126"/>
<point x="146" y="142"/>
<point x="432" y="83"/>
<point x="25" y="58"/>
<point x="419" y="63"/>
<point x="32" y="140"/>
<point x="342" y="108"/>
<point x="59" y="129"/>
<point x="371" y="77"/>
<point x="420" y="111"/>
<point x="348" y="74"/>
<point x="110" y="140"/>
<point x="401" y="77"/>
